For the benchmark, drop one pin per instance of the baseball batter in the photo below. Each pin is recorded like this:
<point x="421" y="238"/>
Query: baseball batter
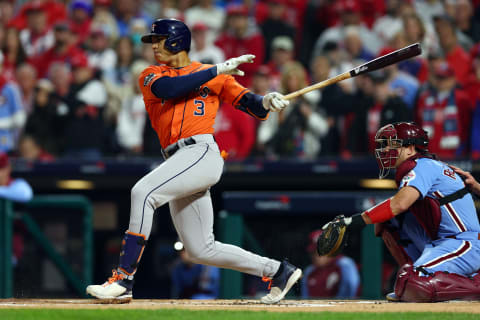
<point x="430" y="225"/>
<point x="182" y="98"/>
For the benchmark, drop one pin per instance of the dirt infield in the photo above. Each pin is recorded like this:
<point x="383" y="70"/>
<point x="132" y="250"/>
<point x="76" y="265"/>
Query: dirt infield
<point x="284" y="306"/>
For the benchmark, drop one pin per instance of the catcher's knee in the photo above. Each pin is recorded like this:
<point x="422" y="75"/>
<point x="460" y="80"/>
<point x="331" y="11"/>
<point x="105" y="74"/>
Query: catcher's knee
<point x="411" y="286"/>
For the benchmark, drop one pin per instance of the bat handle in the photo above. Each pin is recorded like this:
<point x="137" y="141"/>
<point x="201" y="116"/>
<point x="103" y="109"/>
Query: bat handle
<point x="318" y="85"/>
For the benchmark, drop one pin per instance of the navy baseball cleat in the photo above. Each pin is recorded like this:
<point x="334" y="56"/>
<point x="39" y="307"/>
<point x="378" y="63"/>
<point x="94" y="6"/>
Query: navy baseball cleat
<point x="116" y="289"/>
<point x="286" y="276"/>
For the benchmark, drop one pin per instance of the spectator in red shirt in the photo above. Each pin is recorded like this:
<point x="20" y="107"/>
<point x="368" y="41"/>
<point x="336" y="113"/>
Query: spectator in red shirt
<point x="234" y="133"/>
<point x="282" y="53"/>
<point x="37" y="37"/>
<point x="241" y="38"/>
<point x="80" y="19"/>
<point x="64" y="50"/>
<point x="444" y="111"/>
<point x="329" y="277"/>
<point x="55" y="11"/>
<point x="456" y="57"/>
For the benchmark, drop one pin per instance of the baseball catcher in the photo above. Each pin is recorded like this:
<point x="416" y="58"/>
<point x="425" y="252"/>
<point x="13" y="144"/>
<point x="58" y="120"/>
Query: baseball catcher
<point x="430" y="225"/>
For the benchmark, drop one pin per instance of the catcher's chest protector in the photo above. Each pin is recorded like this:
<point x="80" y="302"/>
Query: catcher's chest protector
<point x="426" y="210"/>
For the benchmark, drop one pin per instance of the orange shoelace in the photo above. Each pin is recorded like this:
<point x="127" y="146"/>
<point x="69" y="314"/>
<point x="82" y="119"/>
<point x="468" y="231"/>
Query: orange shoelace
<point x="115" y="276"/>
<point x="269" y="280"/>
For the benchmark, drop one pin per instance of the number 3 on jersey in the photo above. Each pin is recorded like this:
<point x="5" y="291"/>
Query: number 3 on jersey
<point x="200" y="104"/>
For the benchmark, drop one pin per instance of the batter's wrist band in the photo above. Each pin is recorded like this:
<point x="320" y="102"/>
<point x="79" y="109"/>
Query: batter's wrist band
<point x="381" y="212"/>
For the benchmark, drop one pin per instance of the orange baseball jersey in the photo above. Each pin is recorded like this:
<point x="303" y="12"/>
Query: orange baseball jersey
<point x="192" y="114"/>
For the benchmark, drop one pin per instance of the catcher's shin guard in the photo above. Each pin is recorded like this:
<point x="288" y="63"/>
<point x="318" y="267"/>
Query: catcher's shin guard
<point x="410" y="286"/>
<point x="133" y="245"/>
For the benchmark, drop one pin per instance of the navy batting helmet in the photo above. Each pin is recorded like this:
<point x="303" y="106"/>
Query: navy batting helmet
<point x="177" y="33"/>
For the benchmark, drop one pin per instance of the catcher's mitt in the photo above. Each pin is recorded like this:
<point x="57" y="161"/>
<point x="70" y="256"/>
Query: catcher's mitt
<point x="333" y="238"/>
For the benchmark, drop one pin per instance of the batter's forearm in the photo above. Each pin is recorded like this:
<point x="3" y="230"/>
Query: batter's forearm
<point x="251" y="103"/>
<point x="176" y="87"/>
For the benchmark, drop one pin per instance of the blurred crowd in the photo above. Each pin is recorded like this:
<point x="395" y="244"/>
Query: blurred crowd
<point x="68" y="86"/>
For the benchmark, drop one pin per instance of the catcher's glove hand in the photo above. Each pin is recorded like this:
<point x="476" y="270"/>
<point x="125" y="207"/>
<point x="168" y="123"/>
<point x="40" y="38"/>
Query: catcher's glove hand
<point x="334" y="236"/>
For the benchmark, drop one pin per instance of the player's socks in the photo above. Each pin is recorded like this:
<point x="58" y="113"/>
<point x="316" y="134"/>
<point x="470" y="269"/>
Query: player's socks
<point x="133" y="245"/>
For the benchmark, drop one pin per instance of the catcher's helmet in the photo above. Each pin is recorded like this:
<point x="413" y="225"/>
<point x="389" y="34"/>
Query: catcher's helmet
<point x="394" y="136"/>
<point x="177" y="33"/>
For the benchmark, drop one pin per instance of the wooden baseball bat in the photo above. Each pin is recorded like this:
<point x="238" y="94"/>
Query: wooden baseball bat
<point x="375" y="64"/>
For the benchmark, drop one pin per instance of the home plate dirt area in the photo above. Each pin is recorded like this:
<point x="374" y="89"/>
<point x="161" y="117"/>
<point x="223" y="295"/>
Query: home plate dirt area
<point x="253" y="305"/>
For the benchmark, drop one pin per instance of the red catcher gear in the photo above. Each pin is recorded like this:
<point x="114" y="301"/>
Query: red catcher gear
<point x="393" y="136"/>
<point x="440" y="286"/>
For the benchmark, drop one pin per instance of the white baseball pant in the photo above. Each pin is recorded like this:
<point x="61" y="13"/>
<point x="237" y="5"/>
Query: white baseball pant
<point x="183" y="180"/>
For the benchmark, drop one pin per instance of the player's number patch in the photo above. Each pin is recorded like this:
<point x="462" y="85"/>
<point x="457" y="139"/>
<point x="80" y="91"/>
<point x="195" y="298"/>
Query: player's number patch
<point x="200" y="104"/>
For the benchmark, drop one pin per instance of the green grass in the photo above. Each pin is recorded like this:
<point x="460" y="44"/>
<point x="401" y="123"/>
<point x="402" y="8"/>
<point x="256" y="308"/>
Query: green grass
<point x="166" y="314"/>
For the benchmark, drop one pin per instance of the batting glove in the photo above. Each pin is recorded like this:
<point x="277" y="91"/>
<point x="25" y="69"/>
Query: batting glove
<point x="230" y="66"/>
<point x="274" y="101"/>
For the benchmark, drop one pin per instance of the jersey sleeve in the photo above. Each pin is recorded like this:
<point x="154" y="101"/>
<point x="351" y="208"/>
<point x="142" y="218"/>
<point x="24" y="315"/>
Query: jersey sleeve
<point x="147" y="78"/>
<point x="232" y="91"/>
<point x="422" y="177"/>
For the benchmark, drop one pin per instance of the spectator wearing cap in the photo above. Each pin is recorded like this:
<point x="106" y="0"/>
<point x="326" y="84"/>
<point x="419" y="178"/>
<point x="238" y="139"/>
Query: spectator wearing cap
<point x="241" y="38"/>
<point x="13" y="53"/>
<point x="282" y="53"/>
<point x="85" y="128"/>
<point x="207" y="13"/>
<point x="100" y="55"/>
<point x="375" y="105"/>
<point x="261" y="81"/>
<point x="55" y="11"/>
<point x="201" y="51"/>
<point x="350" y="15"/>
<point x="329" y="277"/>
<point x="191" y="280"/>
<point x="445" y="112"/>
<point x="275" y="25"/>
<point x="81" y="12"/>
<point x="64" y="50"/>
<point x="12" y="113"/>
<point x="37" y="37"/>
<point x="456" y="56"/>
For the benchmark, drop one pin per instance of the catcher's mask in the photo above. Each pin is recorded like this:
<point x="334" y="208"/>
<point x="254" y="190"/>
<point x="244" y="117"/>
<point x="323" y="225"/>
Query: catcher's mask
<point x="390" y="138"/>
